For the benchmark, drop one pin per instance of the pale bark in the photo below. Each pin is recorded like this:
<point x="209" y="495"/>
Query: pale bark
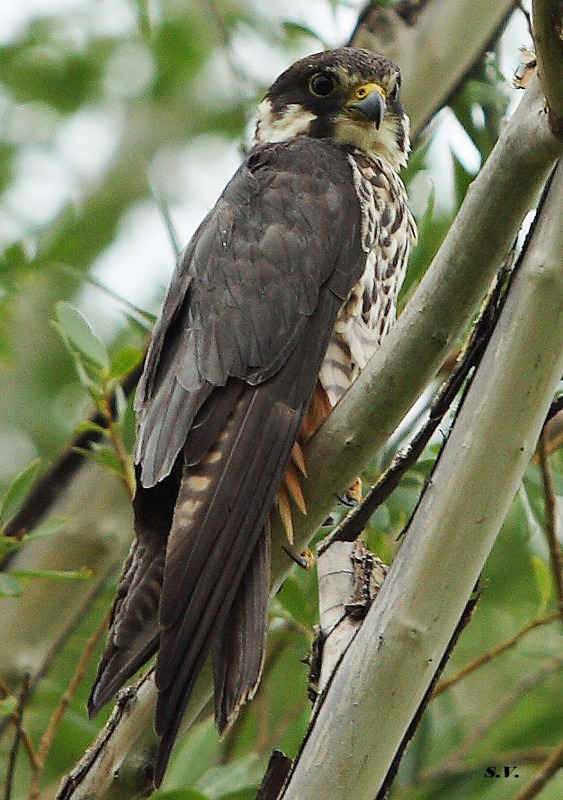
<point x="548" y="35"/>
<point x="435" y="52"/>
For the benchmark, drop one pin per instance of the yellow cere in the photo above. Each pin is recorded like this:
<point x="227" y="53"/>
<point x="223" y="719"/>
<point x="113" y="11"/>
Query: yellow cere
<point x="363" y="91"/>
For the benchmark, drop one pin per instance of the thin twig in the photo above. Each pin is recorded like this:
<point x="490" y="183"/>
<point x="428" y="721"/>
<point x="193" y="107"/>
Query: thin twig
<point x="552" y="765"/>
<point x="456" y="758"/>
<point x="127" y="475"/>
<point x="17" y="719"/>
<point x="484" y="658"/>
<point x="555" y="553"/>
<point x="61" y="709"/>
<point x="25" y="737"/>
<point x="529" y="755"/>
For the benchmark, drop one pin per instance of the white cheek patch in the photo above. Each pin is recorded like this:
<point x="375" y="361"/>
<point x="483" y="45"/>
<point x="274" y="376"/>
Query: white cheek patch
<point x="375" y="142"/>
<point x="270" y="128"/>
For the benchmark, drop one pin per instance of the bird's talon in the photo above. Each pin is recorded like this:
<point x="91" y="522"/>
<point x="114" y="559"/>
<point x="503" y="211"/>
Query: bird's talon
<point x="346" y="501"/>
<point x="305" y="560"/>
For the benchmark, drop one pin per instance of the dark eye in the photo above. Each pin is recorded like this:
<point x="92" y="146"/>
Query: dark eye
<point x="322" y="84"/>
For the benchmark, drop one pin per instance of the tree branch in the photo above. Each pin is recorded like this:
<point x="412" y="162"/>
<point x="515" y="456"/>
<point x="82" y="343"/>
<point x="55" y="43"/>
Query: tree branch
<point x="484" y="658"/>
<point x="414" y="35"/>
<point x="548" y="37"/>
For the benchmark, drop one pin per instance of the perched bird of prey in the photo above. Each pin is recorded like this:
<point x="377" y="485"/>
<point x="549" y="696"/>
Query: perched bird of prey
<point x="284" y="292"/>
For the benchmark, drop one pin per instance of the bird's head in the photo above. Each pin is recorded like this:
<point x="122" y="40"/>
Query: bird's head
<point x="350" y="96"/>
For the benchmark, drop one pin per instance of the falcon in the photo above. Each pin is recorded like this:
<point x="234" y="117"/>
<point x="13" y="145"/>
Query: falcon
<point x="283" y="294"/>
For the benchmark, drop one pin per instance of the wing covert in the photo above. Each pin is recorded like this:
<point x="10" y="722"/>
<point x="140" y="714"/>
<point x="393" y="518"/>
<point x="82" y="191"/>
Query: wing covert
<point x="245" y="287"/>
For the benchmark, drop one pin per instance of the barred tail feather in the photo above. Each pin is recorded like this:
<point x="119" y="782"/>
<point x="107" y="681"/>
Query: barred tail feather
<point x="134" y="629"/>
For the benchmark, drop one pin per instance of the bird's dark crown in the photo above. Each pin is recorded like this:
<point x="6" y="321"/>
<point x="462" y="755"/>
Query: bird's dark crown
<point x="348" y="95"/>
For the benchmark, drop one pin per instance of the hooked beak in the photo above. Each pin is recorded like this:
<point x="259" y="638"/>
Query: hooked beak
<point x="368" y="103"/>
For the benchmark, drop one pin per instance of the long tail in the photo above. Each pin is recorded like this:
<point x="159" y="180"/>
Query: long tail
<point x="216" y="578"/>
<point x="239" y="648"/>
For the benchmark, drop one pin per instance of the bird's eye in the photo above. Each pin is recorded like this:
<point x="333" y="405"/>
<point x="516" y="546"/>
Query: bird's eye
<point x="322" y="84"/>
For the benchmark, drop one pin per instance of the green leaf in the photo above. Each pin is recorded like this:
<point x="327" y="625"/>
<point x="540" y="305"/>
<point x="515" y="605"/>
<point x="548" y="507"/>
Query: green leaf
<point x="88" y="426"/>
<point x="298" y="598"/>
<point x="104" y="456"/>
<point x="9" y="586"/>
<point x="46" y="529"/>
<point x="8" y="543"/>
<point x="14" y="260"/>
<point x="128" y="424"/>
<point x="8" y="705"/>
<point x="18" y="491"/>
<point x="81" y="335"/>
<point x="124" y="361"/>
<point x="544" y="581"/>
<point x="83" y="574"/>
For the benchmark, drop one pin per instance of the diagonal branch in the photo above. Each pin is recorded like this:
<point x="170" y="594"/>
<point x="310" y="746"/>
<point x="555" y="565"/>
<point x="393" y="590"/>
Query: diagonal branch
<point x="548" y="36"/>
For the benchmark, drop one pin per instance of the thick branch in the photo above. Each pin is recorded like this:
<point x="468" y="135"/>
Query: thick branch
<point x="548" y="37"/>
<point x="417" y="43"/>
<point x="393" y="658"/>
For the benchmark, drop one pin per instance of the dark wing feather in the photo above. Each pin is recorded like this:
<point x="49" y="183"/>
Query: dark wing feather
<point x="222" y="508"/>
<point x="134" y="628"/>
<point x="229" y="374"/>
<point x="244" y="289"/>
<point x="239" y="647"/>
